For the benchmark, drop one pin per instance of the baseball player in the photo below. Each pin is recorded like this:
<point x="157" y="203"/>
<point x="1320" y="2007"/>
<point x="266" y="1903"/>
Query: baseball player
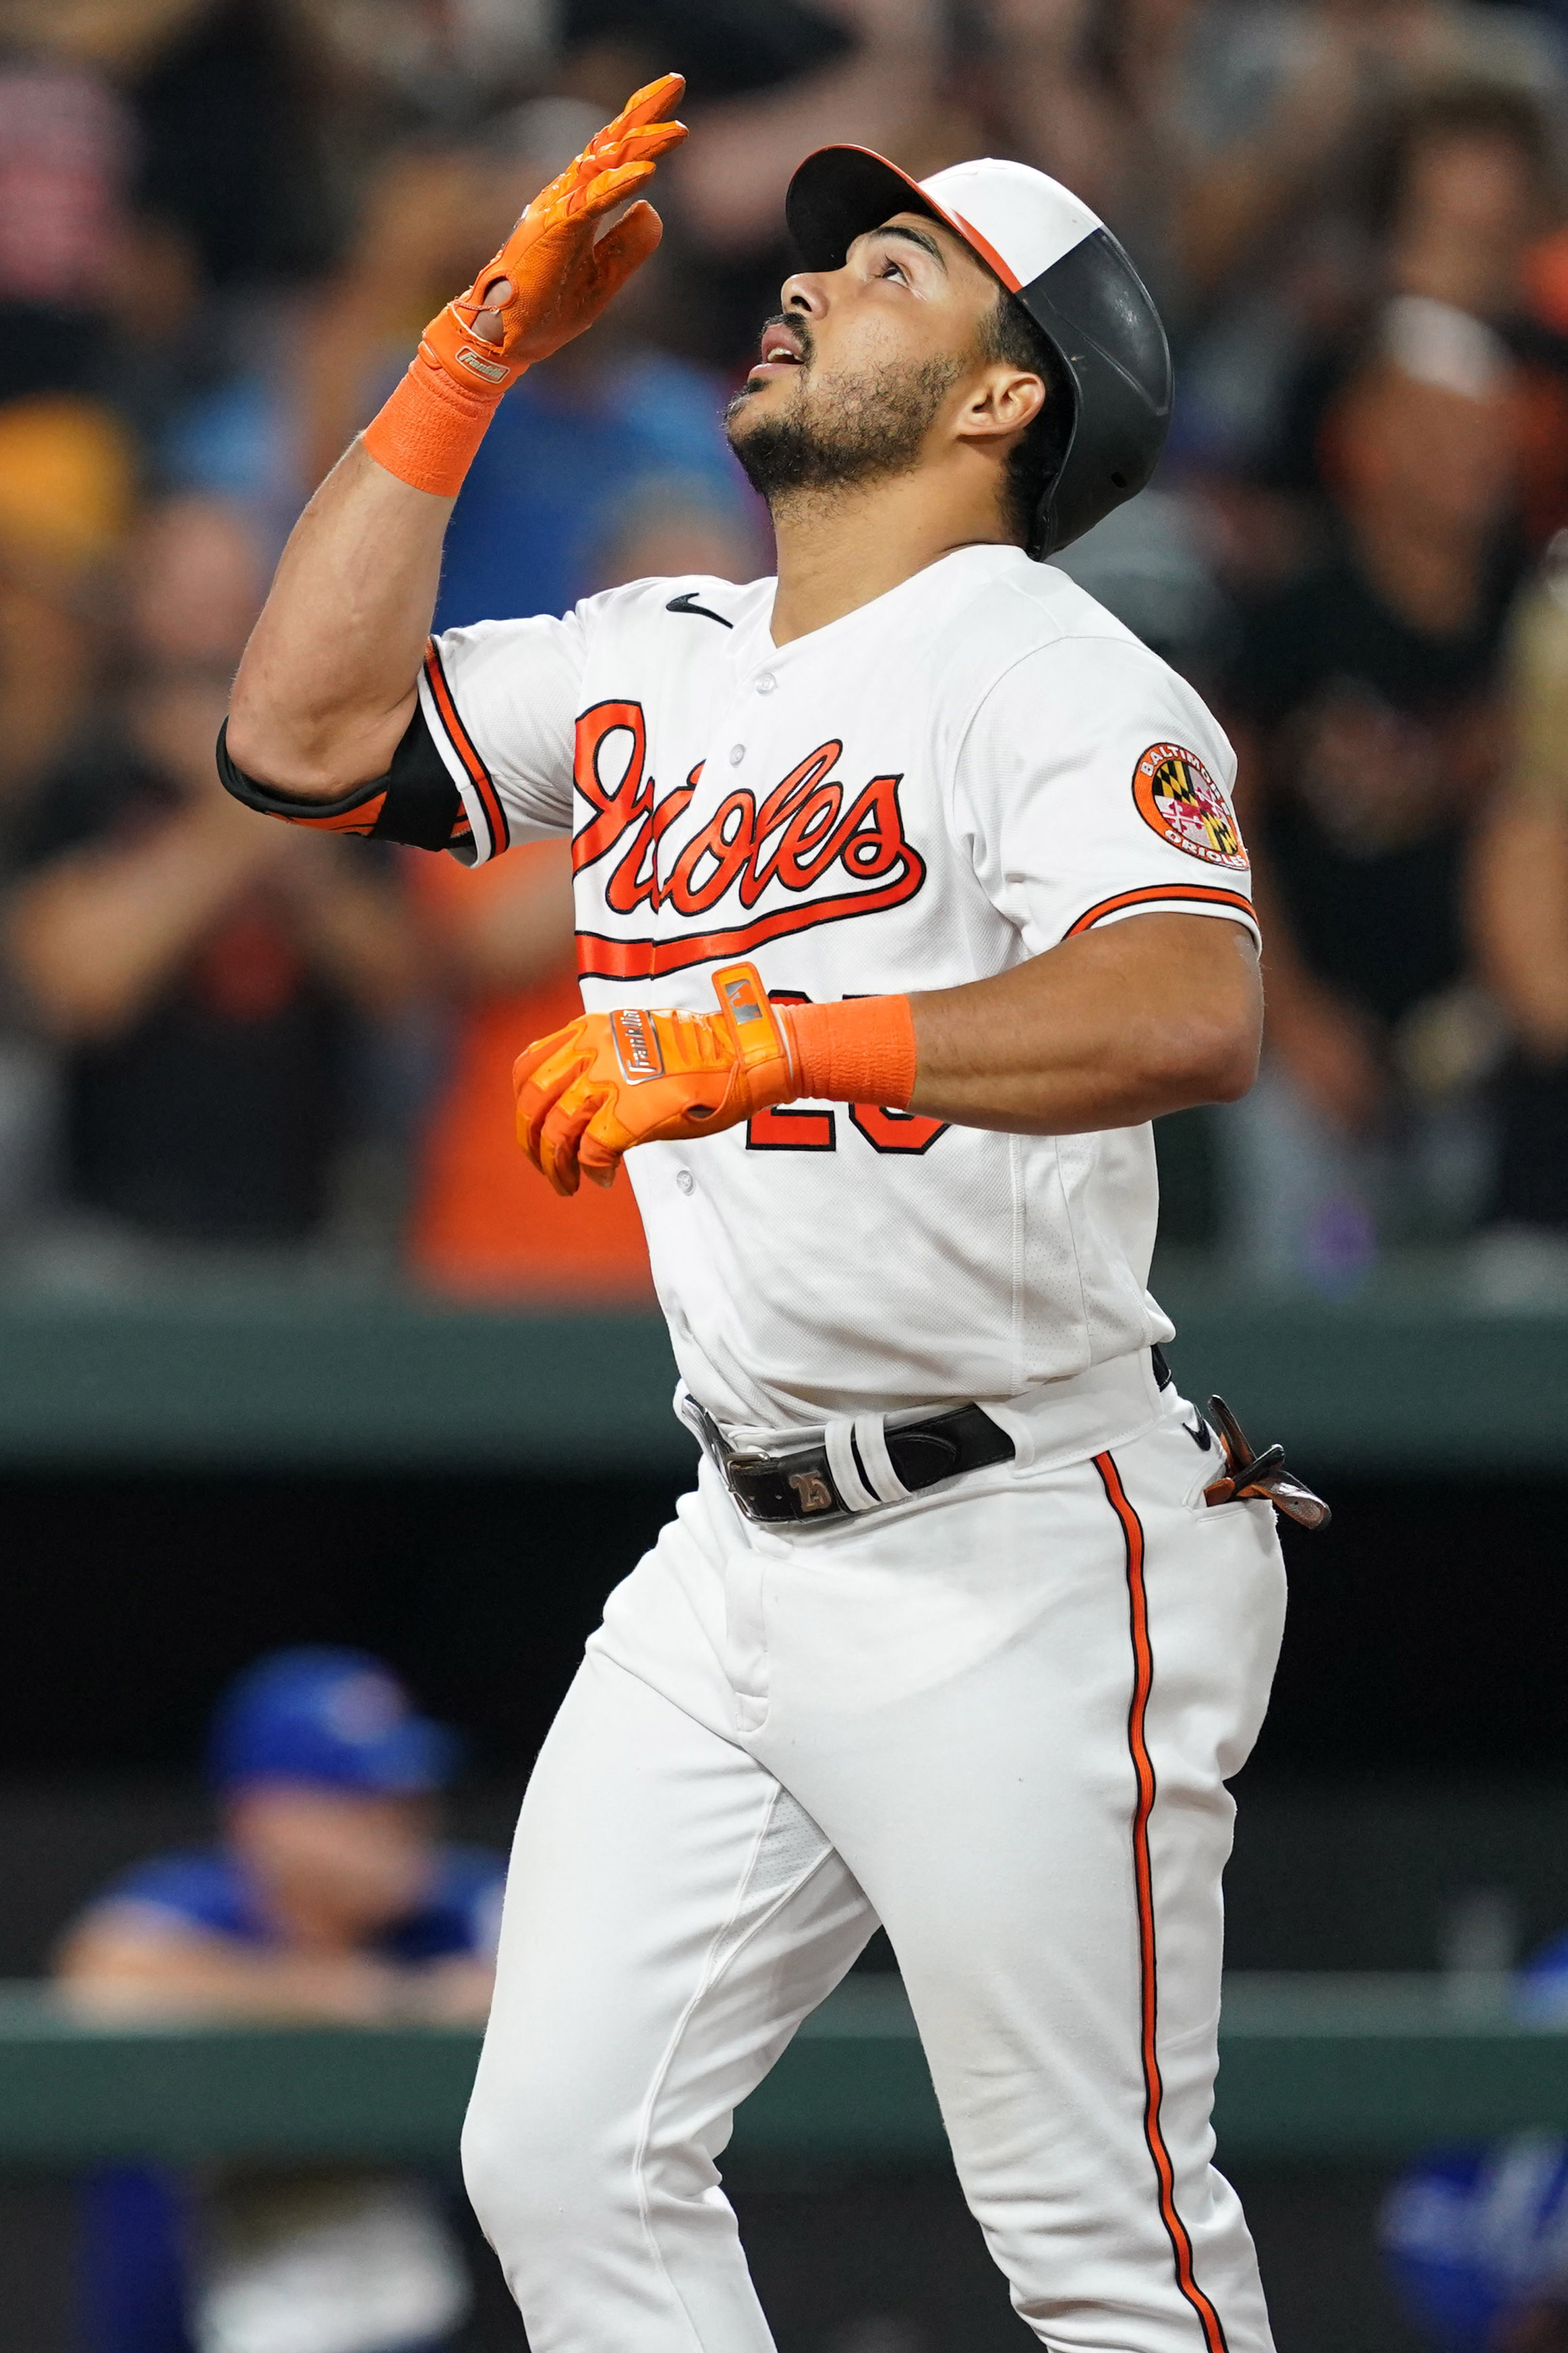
<point x="907" y="892"/>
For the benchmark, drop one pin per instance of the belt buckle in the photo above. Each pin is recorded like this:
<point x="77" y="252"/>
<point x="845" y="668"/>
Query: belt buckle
<point x="813" y="1492"/>
<point x="745" y="1458"/>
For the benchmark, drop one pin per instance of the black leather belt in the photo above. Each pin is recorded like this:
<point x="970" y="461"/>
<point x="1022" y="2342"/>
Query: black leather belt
<point x="780" y="1486"/>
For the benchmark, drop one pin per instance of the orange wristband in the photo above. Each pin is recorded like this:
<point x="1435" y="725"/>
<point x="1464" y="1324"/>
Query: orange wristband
<point x="429" y="432"/>
<point x="861" y="1049"/>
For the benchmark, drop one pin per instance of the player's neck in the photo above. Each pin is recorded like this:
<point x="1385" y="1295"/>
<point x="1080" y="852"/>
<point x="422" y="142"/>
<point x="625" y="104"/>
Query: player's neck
<point x="838" y="550"/>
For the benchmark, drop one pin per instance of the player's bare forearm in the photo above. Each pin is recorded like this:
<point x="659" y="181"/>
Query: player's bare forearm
<point x="329" y="679"/>
<point x="125" y="1962"/>
<point x="1108" y="1030"/>
<point x="1118" y="1025"/>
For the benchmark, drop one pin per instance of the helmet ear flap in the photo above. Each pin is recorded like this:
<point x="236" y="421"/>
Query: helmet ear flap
<point x="1100" y="323"/>
<point x="1064" y="393"/>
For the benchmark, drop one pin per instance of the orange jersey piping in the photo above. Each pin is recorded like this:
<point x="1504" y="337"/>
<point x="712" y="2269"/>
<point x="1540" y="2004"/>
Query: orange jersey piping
<point x="1143" y="1771"/>
<point x="1152" y="894"/>
<point x="457" y="735"/>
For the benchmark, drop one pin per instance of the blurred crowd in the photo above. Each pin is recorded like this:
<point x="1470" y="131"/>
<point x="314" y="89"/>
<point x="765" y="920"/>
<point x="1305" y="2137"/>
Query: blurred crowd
<point x="222" y="223"/>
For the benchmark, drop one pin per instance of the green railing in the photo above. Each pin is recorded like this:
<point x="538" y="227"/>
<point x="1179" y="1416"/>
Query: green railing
<point x="284" y="1371"/>
<point x="1360" y="2069"/>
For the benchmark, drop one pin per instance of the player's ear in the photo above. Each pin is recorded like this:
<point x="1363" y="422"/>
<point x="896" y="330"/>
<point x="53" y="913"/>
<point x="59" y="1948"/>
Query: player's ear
<point x="1004" y="400"/>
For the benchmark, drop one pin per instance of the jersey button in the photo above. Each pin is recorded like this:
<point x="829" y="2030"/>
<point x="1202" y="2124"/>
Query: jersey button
<point x="737" y="753"/>
<point x="767" y="683"/>
<point x="685" y="1182"/>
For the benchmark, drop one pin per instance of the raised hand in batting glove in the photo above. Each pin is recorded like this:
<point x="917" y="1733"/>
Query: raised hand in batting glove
<point x="551" y="279"/>
<point x="586" y="1094"/>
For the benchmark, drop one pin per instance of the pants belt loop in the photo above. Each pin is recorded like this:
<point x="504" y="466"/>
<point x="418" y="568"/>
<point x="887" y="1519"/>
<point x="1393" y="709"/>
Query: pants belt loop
<point x="871" y="1441"/>
<point x="847" y="1478"/>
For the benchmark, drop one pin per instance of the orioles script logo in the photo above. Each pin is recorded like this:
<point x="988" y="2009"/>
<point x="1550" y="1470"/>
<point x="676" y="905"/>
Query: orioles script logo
<point x="833" y="854"/>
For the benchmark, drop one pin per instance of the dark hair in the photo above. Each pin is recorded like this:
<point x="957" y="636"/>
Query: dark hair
<point x="1466" y="110"/>
<point x="1007" y="333"/>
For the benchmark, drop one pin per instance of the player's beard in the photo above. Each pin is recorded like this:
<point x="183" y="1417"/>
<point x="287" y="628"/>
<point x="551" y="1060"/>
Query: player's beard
<point x="839" y="431"/>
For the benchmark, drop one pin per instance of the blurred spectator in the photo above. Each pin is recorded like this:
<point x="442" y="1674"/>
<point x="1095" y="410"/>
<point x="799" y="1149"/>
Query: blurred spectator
<point x="1464" y="186"/>
<point x="722" y="46"/>
<point x="67" y="473"/>
<point x="1521" y="928"/>
<point x="1220" y="141"/>
<point x="436" y="65"/>
<point x="1461" y="186"/>
<point x="233" y="149"/>
<point x="328" y="1898"/>
<point x="1540" y="337"/>
<point x="884" y="94"/>
<point x="228" y="136"/>
<point x="479" y="1226"/>
<point x="1476" y="2242"/>
<point x="66" y="148"/>
<point x="1367" y="703"/>
<point x="66" y="481"/>
<point x="201" y="972"/>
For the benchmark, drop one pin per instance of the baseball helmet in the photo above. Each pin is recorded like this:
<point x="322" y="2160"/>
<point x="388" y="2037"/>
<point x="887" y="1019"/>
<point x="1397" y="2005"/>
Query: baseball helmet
<point x="334" y="1719"/>
<point x="1060" y="261"/>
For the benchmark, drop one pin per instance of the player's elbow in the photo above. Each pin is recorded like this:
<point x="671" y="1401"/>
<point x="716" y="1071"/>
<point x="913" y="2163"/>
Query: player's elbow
<point x="1205" y="1055"/>
<point x="1233" y="1071"/>
<point x="284" y="743"/>
<point x="1210" y="1036"/>
<point x="286" y="752"/>
<point x="1230" y="1062"/>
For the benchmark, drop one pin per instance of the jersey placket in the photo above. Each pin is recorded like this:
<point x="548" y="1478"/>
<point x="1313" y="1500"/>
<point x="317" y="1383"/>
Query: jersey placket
<point x="736" y="770"/>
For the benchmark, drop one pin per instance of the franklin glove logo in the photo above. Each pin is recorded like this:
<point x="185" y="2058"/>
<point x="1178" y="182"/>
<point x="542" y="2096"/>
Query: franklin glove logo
<point x="636" y="1044"/>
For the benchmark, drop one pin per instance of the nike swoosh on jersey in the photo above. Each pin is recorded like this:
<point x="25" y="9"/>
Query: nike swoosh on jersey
<point x="688" y="603"/>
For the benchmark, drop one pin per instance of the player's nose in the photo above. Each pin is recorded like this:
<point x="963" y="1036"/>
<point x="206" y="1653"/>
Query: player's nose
<point x="807" y="291"/>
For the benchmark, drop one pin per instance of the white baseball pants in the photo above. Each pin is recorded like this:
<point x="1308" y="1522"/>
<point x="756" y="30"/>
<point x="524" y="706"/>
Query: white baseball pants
<point x="998" y="1720"/>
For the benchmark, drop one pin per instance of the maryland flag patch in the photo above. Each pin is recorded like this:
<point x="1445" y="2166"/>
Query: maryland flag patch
<point x="1176" y="794"/>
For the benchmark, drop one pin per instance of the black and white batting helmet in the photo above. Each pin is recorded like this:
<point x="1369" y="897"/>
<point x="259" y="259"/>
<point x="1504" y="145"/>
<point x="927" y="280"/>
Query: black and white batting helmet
<point x="1055" y="258"/>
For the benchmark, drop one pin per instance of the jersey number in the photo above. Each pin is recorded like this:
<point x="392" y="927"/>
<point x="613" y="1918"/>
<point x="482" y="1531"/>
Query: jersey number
<point x="785" y="1130"/>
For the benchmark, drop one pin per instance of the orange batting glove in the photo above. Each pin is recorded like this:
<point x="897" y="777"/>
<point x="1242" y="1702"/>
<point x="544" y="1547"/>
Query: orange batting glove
<point x="550" y="280"/>
<point x="588" y="1094"/>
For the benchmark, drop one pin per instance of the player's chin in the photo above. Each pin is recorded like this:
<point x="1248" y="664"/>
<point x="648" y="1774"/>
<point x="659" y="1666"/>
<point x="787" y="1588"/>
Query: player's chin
<point x="759" y="393"/>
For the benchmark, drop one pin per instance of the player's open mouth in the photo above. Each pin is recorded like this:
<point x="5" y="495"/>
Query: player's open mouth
<point x="781" y="349"/>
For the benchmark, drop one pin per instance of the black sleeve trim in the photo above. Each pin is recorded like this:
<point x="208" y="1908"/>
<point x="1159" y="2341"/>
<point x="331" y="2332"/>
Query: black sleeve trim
<point x="416" y="802"/>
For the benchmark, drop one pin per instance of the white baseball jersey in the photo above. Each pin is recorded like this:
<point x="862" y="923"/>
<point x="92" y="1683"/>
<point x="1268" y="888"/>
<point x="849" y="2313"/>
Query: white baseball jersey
<point x="958" y="775"/>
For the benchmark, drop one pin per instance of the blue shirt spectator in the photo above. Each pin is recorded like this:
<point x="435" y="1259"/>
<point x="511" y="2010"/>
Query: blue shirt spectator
<point x="207" y="1890"/>
<point x="571" y="454"/>
<point x="329" y="1898"/>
